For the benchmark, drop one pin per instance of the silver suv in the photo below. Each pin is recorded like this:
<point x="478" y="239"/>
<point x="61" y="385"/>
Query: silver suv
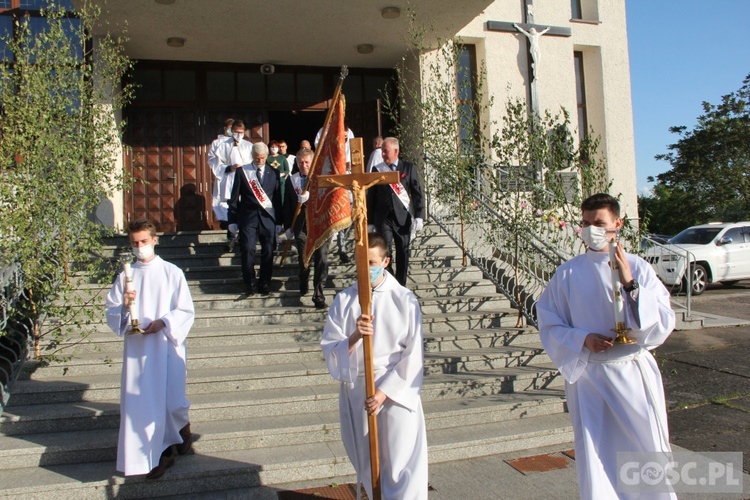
<point x="717" y="252"/>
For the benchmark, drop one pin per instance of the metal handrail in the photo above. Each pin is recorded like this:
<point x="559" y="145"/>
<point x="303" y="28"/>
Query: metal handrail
<point x="689" y="258"/>
<point x="15" y="333"/>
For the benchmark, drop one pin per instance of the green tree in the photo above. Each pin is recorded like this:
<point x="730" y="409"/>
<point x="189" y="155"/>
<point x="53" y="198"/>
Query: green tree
<point x="59" y="90"/>
<point x="709" y="178"/>
<point x="438" y="113"/>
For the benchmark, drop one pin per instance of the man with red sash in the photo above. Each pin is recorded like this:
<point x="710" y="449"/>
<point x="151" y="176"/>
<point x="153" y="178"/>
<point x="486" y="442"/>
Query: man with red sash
<point x="396" y="211"/>
<point x="255" y="210"/>
<point x="295" y="193"/>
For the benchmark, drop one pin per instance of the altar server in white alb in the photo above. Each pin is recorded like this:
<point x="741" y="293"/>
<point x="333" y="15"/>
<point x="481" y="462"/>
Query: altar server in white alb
<point x="398" y="360"/>
<point x="614" y="391"/>
<point x="153" y="405"/>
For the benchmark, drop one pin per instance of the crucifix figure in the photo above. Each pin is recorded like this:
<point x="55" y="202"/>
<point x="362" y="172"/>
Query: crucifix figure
<point x="359" y="214"/>
<point x="536" y="54"/>
<point x="533" y="33"/>
<point x="358" y="182"/>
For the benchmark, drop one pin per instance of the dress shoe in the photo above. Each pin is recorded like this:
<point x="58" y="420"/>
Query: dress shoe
<point x="319" y="304"/>
<point x="303" y="289"/>
<point x="344" y="258"/>
<point x="263" y="289"/>
<point x="249" y="289"/>
<point x="165" y="462"/>
<point x="187" y="440"/>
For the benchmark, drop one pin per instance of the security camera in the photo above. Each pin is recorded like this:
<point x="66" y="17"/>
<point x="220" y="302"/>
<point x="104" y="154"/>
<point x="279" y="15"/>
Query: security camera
<point x="267" y="69"/>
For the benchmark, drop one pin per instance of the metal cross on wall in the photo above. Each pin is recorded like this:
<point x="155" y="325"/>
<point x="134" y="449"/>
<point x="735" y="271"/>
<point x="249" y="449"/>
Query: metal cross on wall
<point x="533" y="33"/>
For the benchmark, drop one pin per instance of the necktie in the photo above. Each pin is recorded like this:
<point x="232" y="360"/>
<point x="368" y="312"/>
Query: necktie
<point x="260" y="175"/>
<point x="393" y="167"/>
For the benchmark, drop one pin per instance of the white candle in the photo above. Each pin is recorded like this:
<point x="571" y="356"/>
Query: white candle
<point x="129" y="287"/>
<point x="616" y="289"/>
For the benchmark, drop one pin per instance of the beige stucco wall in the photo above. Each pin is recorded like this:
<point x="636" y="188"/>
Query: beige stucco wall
<point x="602" y="38"/>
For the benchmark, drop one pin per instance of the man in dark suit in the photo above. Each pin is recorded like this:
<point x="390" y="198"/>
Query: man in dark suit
<point x="254" y="209"/>
<point x="294" y="194"/>
<point x="396" y="211"/>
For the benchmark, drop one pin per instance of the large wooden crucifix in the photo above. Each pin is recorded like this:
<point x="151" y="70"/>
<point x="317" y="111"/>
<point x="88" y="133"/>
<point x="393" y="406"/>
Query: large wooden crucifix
<point x="533" y="33"/>
<point x="358" y="182"/>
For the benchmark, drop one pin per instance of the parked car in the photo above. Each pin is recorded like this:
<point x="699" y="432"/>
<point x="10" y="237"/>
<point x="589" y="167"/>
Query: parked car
<point x="718" y="253"/>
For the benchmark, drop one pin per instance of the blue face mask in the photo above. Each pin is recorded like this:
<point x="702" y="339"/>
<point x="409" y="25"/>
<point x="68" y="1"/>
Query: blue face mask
<point x="375" y="273"/>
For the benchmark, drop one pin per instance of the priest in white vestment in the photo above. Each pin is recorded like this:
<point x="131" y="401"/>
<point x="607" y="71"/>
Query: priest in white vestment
<point x="218" y="167"/>
<point x="229" y="155"/>
<point x="398" y="362"/>
<point x="153" y="404"/>
<point x="614" y="391"/>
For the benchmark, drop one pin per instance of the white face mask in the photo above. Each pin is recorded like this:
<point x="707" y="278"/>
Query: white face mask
<point x="228" y="132"/>
<point x="238" y="136"/>
<point x="274" y="151"/>
<point x="143" y="253"/>
<point x="595" y="237"/>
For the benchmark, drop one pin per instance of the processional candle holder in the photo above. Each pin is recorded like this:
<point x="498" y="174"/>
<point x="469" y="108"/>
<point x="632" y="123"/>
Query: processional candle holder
<point x="620" y="330"/>
<point x="126" y="259"/>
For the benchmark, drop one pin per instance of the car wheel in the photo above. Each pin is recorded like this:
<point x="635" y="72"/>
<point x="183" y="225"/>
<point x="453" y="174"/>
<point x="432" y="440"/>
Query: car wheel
<point x="730" y="282"/>
<point x="699" y="279"/>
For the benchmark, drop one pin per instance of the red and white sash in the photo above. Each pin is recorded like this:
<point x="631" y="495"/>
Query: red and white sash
<point x="397" y="188"/>
<point x="297" y="183"/>
<point x="257" y="190"/>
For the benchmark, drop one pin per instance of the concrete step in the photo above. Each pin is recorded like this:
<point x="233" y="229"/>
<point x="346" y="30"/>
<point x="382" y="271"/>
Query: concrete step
<point x="230" y="318"/>
<point x="264" y="408"/>
<point x="111" y="345"/>
<point x="243" y="469"/>
<point x="213" y="279"/>
<point x="431" y="232"/>
<point x="240" y="402"/>
<point x="88" y="377"/>
<point x="56" y="448"/>
<point x="53" y="387"/>
<point x="205" y="357"/>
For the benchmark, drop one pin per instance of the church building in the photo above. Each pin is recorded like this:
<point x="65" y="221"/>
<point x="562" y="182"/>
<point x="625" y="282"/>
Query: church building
<point x="275" y="65"/>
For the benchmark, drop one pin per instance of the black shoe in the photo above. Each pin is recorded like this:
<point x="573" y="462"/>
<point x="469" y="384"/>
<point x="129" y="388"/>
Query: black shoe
<point x="165" y="462"/>
<point x="187" y="440"/>
<point x="319" y="304"/>
<point x="263" y="289"/>
<point x="249" y="289"/>
<point x="344" y="258"/>
<point x="303" y="289"/>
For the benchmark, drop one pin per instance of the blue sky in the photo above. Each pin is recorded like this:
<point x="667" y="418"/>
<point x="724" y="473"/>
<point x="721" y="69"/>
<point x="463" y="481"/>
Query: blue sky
<point x="682" y="52"/>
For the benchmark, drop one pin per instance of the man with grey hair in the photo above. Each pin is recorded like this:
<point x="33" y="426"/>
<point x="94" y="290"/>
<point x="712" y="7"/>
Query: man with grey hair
<point x="255" y="211"/>
<point x="396" y="210"/>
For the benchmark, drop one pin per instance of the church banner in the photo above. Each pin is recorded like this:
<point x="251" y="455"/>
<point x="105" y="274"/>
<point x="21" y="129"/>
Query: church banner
<point x="328" y="210"/>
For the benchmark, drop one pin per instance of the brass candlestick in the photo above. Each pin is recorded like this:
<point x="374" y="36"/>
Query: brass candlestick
<point x="621" y="334"/>
<point x="126" y="259"/>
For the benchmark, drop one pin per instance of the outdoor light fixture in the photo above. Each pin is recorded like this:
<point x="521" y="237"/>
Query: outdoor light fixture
<point x="176" y="41"/>
<point x="365" y="48"/>
<point x="390" y="12"/>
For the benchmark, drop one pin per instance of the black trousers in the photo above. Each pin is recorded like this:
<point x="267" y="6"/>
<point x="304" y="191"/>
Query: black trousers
<point x="400" y="236"/>
<point x="256" y="229"/>
<point x="319" y="261"/>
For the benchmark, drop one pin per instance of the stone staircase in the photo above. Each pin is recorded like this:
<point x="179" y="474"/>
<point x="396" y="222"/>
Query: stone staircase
<point x="264" y="409"/>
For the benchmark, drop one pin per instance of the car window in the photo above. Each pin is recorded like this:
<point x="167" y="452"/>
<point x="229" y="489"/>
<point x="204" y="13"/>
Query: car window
<point x="736" y="234"/>
<point x="696" y="236"/>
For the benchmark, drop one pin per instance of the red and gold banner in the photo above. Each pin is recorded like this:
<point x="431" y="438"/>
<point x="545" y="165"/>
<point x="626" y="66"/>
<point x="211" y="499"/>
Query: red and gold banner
<point x="328" y="209"/>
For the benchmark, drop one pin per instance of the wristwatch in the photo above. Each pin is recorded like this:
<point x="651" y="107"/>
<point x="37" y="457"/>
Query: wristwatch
<point x="632" y="286"/>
